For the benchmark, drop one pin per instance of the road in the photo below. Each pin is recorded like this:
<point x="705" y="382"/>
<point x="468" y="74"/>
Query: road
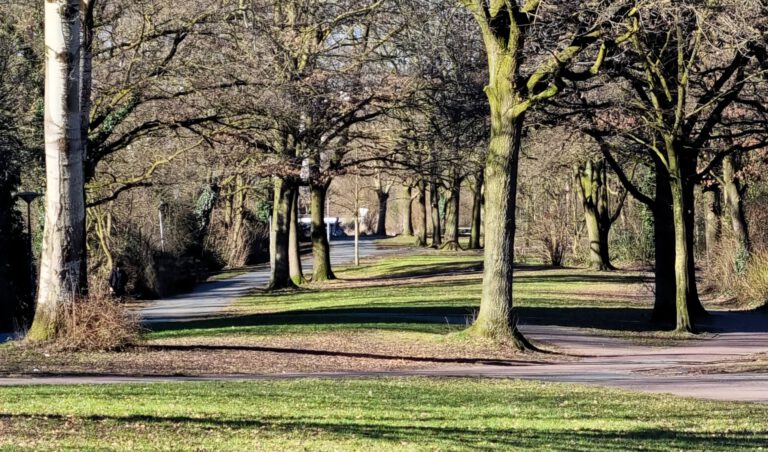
<point x="213" y="297"/>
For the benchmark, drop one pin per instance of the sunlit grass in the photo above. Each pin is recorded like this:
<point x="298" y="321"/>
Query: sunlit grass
<point x="434" y="293"/>
<point x="392" y="414"/>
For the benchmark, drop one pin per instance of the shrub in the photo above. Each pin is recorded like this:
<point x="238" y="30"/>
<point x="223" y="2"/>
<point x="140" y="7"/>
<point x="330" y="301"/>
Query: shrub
<point x="733" y="272"/>
<point x="754" y="284"/>
<point x="96" y="323"/>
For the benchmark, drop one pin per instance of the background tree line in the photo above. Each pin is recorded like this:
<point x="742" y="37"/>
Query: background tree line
<point x="617" y="132"/>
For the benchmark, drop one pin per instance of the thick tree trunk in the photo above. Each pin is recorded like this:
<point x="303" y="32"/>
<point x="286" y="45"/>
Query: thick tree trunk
<point x="434" y="200"/>
<point x="683" y="283"/>
<point x="452" y="216"/>
<point x="381" y="224"/>
<point x="695" y="308"/>
<point x="734" y="204"/>
<point x="63" y="259"/>
<point x="294" y="243"/>
<point x="712" y="222"/>
<point x="496" y="318"/>
<point x="321" y="249"/>
<point x="421" y="201"/>
<point x="477" y="214"/>
<point x="408" y="211"/>
<point x="664" y="245"/>
<point x="597" y="243"/>
<point x="592" y="183"/>
<point x="281" y="217"/>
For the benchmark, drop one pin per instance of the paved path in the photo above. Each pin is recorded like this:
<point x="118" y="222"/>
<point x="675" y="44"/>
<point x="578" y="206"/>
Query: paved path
<point x="601" y="360"/>
<point x="211" y="298"/>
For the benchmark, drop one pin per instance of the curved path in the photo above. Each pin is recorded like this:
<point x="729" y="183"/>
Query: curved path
<point x="603" y="361"/>
<point x="209" y="299"/>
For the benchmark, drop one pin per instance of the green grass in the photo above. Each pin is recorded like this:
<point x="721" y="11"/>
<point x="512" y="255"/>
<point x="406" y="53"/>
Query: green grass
<point x="395" y="294"/>
<point x="225" y="275"/>
<point x="392" y="414"/>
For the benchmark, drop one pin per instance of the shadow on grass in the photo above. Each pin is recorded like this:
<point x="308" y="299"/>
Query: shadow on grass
<point x="420" y="271"/>
<point x="626" y="319"/>
<point x="409" y="318"/>
<point x="311" y="352"/>
<point x="415" y="432"/>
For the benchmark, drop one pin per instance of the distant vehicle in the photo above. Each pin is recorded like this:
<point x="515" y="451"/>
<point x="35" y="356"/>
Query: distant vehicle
<point x="465" y="232"/>
<point x="332" y="223"/>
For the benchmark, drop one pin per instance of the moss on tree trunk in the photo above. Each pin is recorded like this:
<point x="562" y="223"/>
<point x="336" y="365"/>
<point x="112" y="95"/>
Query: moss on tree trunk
<point x="294" y="243"/>
<point x="281" y="217"/>
<point x="321" y="248"/>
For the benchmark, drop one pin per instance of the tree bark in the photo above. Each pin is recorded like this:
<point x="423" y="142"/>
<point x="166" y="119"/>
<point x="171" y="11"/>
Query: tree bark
<point x="592" y="182"/>
<point x="452" y="216"/>
<point x="734" y="204"/>
<point x="281" y="217"/>
<point x="496" y="318"/>
<point x="237" y="243"/>
<point x="63" y="259"/>
<point x="294" y="243"/>
<point x="381" y="224"/>
<point x="664" y="245"/>
<point x="408" y="211"/>
<point x="321" y="249"/>
<point x="421" y="201"/>
<point x="684" y="285"/>
<point x="434" y="201"/>
<point x="477" y="214"/>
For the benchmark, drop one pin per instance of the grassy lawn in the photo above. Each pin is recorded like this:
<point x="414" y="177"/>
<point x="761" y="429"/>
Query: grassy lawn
<point x="399" y="312"/>
<point x="433" y="293"/>
<point x="398" y="414"/>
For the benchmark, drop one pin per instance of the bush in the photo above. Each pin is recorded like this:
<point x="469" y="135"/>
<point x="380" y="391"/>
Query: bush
<point x="96" y="323"/>
<point x="733" y="272"/>
<point x="754" y="284"/>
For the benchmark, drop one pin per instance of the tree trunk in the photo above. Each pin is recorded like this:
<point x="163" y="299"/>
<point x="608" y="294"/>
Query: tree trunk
<point x="477" y="214"/>
<point x="496" y="318"/>
<point x="421" y="201"/>
<point x="695" y="308"/>
<point x="63" y="259"/>
<point x="452" y="216"/>
<point x="682" y="250"/>
<point x="592" y="184"/>
<point x="712" y="221"/>
<point x="434" y="201"/>
<point x="664" y="245"/>
<point x="596" y="242"/>
<point x="237" y="243"/>
<point x="381" y="224"/>
<point x="294" y="243"/>
<point x="281" y="217"/>
<point x="321" y="249"/>
<point x="735" y="205"/>
<point x="407" y="212"/>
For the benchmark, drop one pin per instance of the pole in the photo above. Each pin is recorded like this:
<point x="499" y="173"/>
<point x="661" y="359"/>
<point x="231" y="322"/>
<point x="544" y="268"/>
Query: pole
<point x="272" y="244"/>
<point x="327" y="213"/>
<point x="162" y="227"/>
<point x="357" y="219"/>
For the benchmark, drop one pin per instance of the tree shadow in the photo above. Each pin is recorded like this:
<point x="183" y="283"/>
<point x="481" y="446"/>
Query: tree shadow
<point x="486" y="435"/>
<point x="320" y="353"/>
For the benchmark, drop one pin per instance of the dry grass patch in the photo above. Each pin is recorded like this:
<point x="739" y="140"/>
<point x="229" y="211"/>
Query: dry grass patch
<point x="364" y="351"/>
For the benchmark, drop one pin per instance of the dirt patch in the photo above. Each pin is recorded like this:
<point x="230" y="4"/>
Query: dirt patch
<point x="325" y="352"/>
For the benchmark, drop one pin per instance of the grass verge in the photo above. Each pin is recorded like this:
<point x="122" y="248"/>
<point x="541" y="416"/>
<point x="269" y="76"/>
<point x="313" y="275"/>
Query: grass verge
<point x="396" y="414"/>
